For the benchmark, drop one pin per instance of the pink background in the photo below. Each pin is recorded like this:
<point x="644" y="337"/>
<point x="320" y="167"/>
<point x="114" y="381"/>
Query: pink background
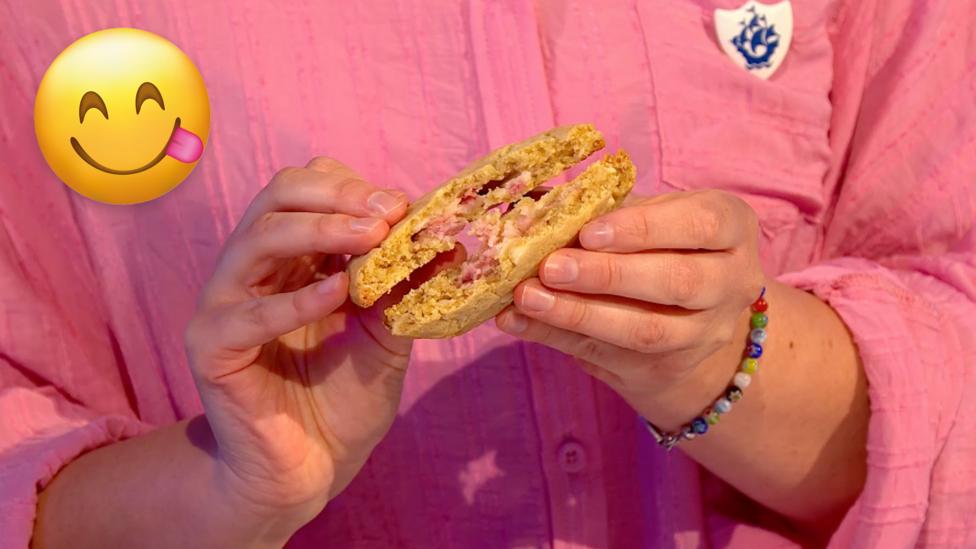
<point x="859" y="155"/>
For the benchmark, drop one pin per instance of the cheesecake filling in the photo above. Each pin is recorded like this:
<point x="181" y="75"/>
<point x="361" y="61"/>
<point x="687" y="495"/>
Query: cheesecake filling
<point x="494" y="231"/>
<point x="499" y="226"/>
<point x="442" y="232"/>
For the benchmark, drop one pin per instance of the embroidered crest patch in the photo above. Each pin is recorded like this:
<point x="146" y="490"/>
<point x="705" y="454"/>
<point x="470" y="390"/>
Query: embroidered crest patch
<point x="756" y="36"/>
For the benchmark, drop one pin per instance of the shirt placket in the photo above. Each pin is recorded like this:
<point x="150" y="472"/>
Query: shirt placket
<point x="515" y="104"/>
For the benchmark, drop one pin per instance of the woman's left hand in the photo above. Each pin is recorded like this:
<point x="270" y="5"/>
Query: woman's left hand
<point x="657" y="287"/>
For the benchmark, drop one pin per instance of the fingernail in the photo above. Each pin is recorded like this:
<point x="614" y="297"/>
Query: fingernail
<point x="363" y="224"/>
<point x="515" y="323"/>
<point x="537" y="300"/>
<point x="560" y="270"/>
<point x="328" y="285"/>
<point x="383" y="202"/>
<point x="596" y="235"/>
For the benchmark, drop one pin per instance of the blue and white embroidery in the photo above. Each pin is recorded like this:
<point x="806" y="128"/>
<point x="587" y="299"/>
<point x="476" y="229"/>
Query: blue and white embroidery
<point x="758" y="40"/>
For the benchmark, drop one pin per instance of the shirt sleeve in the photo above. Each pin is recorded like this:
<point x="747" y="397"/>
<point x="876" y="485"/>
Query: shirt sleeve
<point x="917" y="340"/>
<point x="63" y="385"/>
<point x="897" y="261"/>
<point x="41" y="432"/>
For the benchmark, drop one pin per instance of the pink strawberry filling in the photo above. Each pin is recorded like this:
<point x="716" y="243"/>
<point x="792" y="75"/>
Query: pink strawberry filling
<point x="487" y="229"/>
<point x="491" y="231"/>
<point x="445" y="227"/>
<point x="479" y="266"/>
<point x="518" y="186"/>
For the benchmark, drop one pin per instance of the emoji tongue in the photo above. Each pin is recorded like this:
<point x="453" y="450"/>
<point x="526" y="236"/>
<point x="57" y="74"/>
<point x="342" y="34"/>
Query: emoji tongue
<point x="184" y="146"/>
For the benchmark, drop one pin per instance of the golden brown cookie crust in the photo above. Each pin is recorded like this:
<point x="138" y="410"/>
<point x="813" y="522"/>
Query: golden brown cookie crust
<point x="441" y="307"/>
<point x="543" y="157"/>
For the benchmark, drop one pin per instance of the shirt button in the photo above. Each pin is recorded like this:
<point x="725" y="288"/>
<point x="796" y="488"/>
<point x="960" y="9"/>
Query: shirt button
<point x="572" y="457"/>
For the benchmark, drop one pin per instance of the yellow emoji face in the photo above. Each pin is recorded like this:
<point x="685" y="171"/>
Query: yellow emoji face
<point x="122" y="116"/>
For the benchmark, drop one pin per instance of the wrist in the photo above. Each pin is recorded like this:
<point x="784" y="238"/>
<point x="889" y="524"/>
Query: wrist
<point x="677" y="403"/>
<point x="259" y="524"/>
<point x="249" y="512"/>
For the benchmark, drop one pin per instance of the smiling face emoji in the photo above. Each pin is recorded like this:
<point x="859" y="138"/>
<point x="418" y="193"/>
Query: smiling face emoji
<point x="122" y="116"/>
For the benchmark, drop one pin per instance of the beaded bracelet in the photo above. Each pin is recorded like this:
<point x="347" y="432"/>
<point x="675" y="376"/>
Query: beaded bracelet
<point x="733" y="393"/>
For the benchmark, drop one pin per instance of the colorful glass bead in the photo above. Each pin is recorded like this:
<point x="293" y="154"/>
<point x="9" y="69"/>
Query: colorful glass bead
<point x="734" y="392"/>
<point x="742" y="379"/>
<point x="759" y="320"/>
<point x="711" y="416"/>
<point x="722" y="405"/>
<point x="754" y="350"/>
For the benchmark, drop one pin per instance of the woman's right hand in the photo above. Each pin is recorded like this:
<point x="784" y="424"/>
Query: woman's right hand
<point x="298" y="384"/>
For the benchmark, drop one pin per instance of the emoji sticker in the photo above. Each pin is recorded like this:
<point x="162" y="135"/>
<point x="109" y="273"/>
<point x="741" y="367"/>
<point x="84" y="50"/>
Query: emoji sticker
<point x="122" y="116"/>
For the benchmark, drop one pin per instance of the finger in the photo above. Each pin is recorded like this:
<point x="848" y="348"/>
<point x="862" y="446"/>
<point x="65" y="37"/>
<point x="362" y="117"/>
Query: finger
<point x="328" y="165"/>
<point x="630" y="324"/>
<point x="326" y="186"/>
<point x="248" y="324"/>
<point x="708" y="220"/>
<point x="279" y="235"/>
<point x="689" y="280"/>
<point x="588" y="349"/>
<point x="378" y="200"/>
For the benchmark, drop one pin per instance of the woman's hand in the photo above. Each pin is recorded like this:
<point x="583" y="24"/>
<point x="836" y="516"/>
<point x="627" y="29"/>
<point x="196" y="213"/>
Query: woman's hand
<point x="657" y="287"/>
<point x="655" y="304"/>
<point x="298" y="384"/>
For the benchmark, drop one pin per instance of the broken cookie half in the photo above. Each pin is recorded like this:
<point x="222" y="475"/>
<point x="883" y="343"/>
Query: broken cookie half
<point x="490" y="201"/>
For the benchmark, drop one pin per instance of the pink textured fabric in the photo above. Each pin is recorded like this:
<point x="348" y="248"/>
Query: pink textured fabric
<point x="859" y="156"/>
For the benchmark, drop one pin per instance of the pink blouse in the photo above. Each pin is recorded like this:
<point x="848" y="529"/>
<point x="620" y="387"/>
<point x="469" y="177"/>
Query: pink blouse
<point x="859" y="156"/>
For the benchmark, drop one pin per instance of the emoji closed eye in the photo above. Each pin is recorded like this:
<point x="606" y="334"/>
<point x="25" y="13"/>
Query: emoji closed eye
<point x="148" y="91"/>
<point x="91" y="100"/>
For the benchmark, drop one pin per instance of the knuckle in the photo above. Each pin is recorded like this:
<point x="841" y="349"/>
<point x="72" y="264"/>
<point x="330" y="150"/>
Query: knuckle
<point x="740" y="209"/>
<point x="254" y="312"/>
<point x="639" y="226"/>
<point x="647" y="335"/>
<point x="740" y="206"/>
<point x="325" y="163"/>
<point x="684" y="279"/>
<point x="611" y="273"/>
<point x="283" y="176"/>
<point x="264" y="224"/>
<point x="349" y="187"/>
<point x="707" y="221"/>
<point x="272" y="193"/>
<point x="577" y="315"/>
